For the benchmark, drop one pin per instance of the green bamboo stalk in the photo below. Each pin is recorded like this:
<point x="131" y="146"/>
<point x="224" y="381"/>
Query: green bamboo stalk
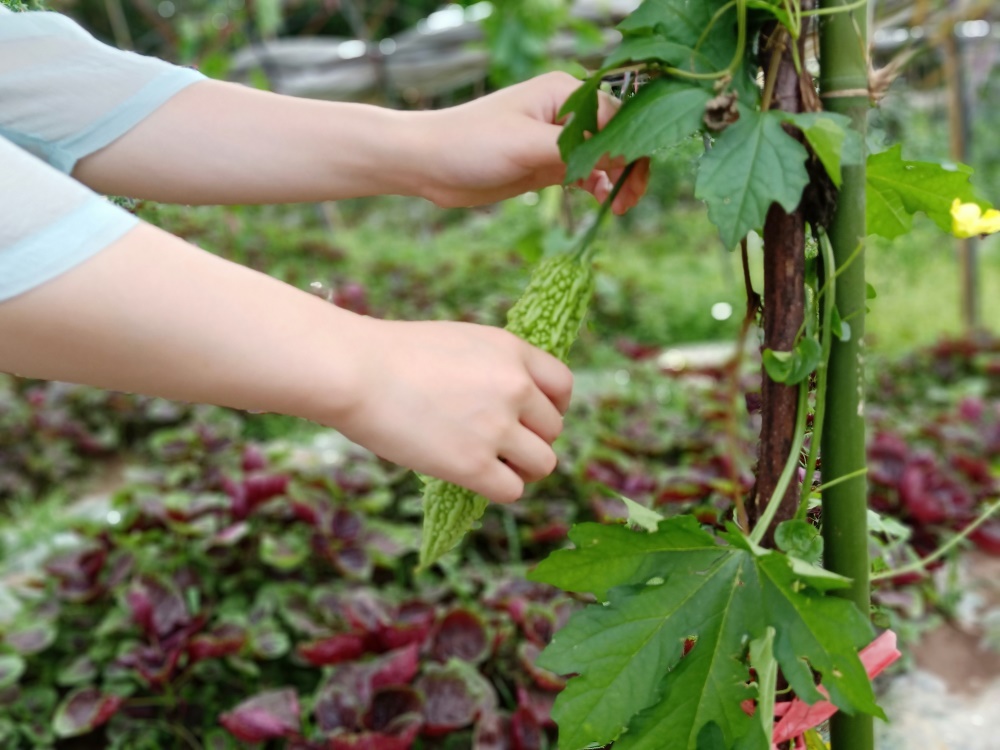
<point x="844" y="88"/>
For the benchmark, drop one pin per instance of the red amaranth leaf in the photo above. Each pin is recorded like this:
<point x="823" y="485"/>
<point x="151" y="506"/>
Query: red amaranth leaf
<point x="333" y="649"/>
<point x="553" y="531"/>
<point x="390" y="706"/>
<point x="223" y="640"/>
<point x="32" y="639"/>
<point x="83" y="710"/>
<point x="261" y="488"/>
<point x="157" y="607"/>
<point x="537" y="620"/>
<point x="412" y="624"/>
<point x="539" y="703"/>
<point x="347" y="695"/>
<point x="253" y="459"/>
<point x="231" y="535"/>
<point x="932" y="496"/>
<point x="525" y="732"/>
<point x="156" y="665"/>
<point x="239" y="508"/>
<point x="462" y="635"/>
<point x="339" y="708"/>
<point x="346" y="525"/>
<point x="887" y="456"/>
<point x="353" y="562"/>
<point x="267" y="716"/>
<point x="454" y="696"/>
<point x="527" y="654"/>
<point x="401" y="739"/>
<point x="397" y="667"/>
<point x="364" y="611"/>
<point x="492" y="732"/>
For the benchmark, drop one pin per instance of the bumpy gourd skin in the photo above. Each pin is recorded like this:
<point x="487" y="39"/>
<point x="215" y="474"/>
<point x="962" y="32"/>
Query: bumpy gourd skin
<point x="548" y="315"/>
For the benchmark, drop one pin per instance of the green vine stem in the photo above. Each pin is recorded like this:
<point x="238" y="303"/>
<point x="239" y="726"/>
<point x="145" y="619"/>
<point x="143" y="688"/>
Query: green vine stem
<point x="920" y="565"/>
<point x="790" y="466"/>
<point x="828" y="294"/>
<point x="843" y="46"/>
<point x="846" y="478"/>
<point x="584" y="249"/>
<point x="833" y="9"/>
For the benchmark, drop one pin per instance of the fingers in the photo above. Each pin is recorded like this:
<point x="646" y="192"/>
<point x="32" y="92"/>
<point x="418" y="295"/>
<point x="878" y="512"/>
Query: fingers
<point x="601" y="182"/>
<point x="529" y="456"/>
<point x="552" y="377"/>
<point x="500" y="483"/>
<point x="541" y="416"/>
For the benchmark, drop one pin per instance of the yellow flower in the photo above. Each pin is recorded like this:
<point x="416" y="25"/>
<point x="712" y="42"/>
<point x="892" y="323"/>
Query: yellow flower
<point x="968" y="219"/>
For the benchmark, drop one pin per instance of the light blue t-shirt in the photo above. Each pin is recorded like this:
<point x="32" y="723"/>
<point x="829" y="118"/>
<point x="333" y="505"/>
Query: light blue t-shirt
<point x="64" y="95"/>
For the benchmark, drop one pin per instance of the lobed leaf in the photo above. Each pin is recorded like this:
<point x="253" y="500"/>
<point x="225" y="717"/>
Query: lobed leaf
<point x="897" y="189"/>
<point x="660" y="115"/>
<point x="831" y="138"/>
<point x="816" y="632"/>
<point x="753" y="164"/>
<point x="608" y="556"/>
<point x="623" y="650"/>
<point x="668" y="658"/>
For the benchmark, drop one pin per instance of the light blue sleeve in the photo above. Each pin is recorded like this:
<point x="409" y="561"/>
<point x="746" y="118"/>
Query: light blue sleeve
<point x="49" y="222"/>
<point x="64" y="95"/>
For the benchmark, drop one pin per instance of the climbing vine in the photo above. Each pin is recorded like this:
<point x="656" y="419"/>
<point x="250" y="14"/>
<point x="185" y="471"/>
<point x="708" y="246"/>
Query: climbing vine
<point x="694" y="631"/>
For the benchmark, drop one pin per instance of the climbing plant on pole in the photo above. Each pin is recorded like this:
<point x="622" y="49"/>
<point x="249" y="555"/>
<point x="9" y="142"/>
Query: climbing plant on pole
<point x="695" y="628"/>
<point x="844" y="88"/>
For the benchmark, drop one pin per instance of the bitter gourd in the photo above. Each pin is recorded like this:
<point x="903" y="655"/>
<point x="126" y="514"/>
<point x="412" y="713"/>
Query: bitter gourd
<point x="548" y="315"/>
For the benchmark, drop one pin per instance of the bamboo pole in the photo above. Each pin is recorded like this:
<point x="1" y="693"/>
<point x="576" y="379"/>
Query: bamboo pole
<point x="958" y="123"/>
<point x="844" y="89"/>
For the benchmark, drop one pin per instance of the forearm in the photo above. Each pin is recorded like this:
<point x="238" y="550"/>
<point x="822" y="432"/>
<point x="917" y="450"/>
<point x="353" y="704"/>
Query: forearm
<point x="154" y="315"/>
<point x="223" y="143"/>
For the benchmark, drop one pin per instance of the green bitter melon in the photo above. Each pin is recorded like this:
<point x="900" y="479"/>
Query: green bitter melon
<point x="548" y="315"/>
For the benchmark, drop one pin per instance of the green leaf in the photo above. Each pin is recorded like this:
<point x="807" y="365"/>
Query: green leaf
<point x="581" y="108"/>
<point x="800" y="539"/>
<point x="660" y="115"/>
<point x="814" y="741"/>
<point x="11" y="668"/>
<point x="643" y="48"/>
<point x="710" y="682"/>
<point x="766" y="666"/>
<point x="285" y="552"/>
<point x="634" y="685"/>
<point x="645" y="518"/>
<point x="794" y="366"/>
<point x="816" y="632"/>
<point x="711" y="737"/>
<point x="608" y="556"/>
<point x="870" y="292"/>
<point x="827" y="133"/>
<point x="692" y="38"/>
<point x="838" y="327"/>
<point x="897" y="189"/>
<point x="753" y="164"/>
<point x="623" y="650"/>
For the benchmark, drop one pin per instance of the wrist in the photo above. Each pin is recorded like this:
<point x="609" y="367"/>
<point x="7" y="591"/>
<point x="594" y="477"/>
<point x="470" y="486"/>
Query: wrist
<point x="410" y="152"/>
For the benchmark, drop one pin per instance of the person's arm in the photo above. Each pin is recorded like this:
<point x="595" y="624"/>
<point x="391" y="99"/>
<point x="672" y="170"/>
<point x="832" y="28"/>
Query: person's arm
<point x="218" y="142"/>
<point x="152" y="314"/>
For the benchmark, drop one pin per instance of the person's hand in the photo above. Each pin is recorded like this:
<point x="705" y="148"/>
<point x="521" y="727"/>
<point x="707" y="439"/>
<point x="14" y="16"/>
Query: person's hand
<point x="470" y="404"/>
<point x="505" y="144"/>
